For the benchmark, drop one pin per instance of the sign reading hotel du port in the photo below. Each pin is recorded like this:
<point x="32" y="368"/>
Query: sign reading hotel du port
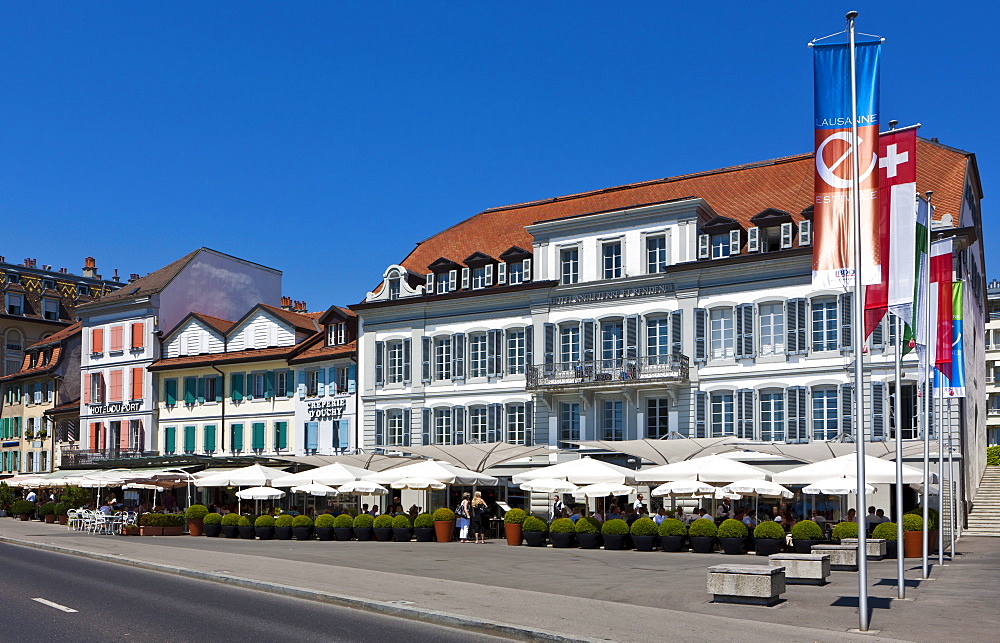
<point x="115" y="407"/>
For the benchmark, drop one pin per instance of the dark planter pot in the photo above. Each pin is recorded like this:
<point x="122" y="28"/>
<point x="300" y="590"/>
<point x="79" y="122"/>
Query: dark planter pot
<point x="512" y="531"/>
<point x="614" y="541"/>
<point x="891" y="548"/>
<point x="196" y="526"/>
<point x="767" y="546"/>
<point x="342" y="533"/>
<point x="302" y="533"/>
<point x="562" y="540"/>
<point x="231" y="531"/>
<point x="423" y="534"/>
<point x="213" y="531"/>
<point x="733" y="546"/>
<point x="534" y="538"/>
<point x="444" y="530"/>
<point x="283" y="533"/>
<point x="804" y="546"/>
<point x="589" y="541"/>
<point x="264" y="533"/>
<point x="383" y="534"/>
<point x="644" y="543"/>
<point x="401" y="534"/>
<point x="324" y="533"/>
<point x="248" y="532"/>
<point x="363" y="533"/>
<point x="671" y="543"/>
<point x="702" y="544"/>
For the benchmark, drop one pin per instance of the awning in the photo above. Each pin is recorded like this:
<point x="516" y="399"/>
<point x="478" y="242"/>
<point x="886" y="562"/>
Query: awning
<point x="370" y="461"/>
<point x="709" y="468"/>
<point x="817" y="451"/>
<point x="663" y="451"/>
<point x="434" y="470"/>
<point x="477" y="457"/>
<point x="582" y="471"/>
<point x="877" y="471"/>
<point x="335" y="474"/>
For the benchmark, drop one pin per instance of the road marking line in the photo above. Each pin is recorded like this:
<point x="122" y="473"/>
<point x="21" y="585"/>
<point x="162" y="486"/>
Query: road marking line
<point x="61" y="608"/>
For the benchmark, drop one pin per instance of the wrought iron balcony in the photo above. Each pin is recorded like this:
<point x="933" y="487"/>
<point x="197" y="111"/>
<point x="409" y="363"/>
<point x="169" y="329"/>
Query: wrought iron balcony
<point x="80" y="457"/>
<point x="632" y="371"/>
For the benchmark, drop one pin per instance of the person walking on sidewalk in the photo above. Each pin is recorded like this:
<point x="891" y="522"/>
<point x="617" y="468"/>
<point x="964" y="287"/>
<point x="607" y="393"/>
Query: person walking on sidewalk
<point x="479" y="517"/>
<point x="462" y="516"/>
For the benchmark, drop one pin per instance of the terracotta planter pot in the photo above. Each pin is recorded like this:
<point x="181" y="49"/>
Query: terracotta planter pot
<point x="130" y="530"/>
<point x="150" y="531"/>
<point x="444" y="530"/>
<point x="50" y="519"/>
<point x="25" y="517"/>
<point x="671" y="543"/>
<point x="196" y="526"/>
<point x="513" y="533"/>
<point x="913" y="544"/>
<point x="213" y="531"/>
<point x="173" y="531"/>
<point x="63" y="520"/>
<point x="423" y="534"/>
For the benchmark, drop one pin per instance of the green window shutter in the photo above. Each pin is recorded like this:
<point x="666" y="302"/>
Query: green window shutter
<point x="281" y="435"/>
<point x="268" y="385"/>
<point x="289" y="383"/>
<point x="169" y="437"/>
<point x="236" y="440"/>
<point x="17" y="427"/>
<point x="209" y="438"/>
<point x="189" y="439"/>
<point x="201" y="390"/>
<point x="218" y="388"/>
<point x="170" y="391"/>
<point x="236" y="384"/>
<point x="190" y="390"/>
<point x="258" y="436"/>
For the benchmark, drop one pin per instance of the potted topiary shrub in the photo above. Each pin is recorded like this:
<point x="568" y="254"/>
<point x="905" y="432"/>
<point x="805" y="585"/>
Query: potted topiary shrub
<point x="534" y="531"/>
<point x="672" y="534"/>
<point x="247" y="527"/>
<point x="423" y="528"/>
<point x="23" y="509"/>
<point x="444" y="525"/>
<point x="62" y="513"/>
<point x="382" y="526"/>
<point x="213" y="525"/>
<point x="733" y="536"/>
<point x="401" y="528"/>
<point x="302" y="527"/>
<point x="512" y="521"/>
<point x="644" y="534"/>
<point x="263" y="527"/>
<point x="702" y="533"/>
<point x="363" y="527"/>
<point x="195" y="515"/>
<point x="283" y="527"/>
<point x="150" y="525"/>
<point x="173" y="524"/>
<point x="845" y="530"/>
<point x="805" y="534"/>
<point x="323" y="527"/>
<point x="588" y="532"/>
<point x="614" y="532"/>
<point x="48" y="512"/>
<point x="913" y="536"/>
<point x="887" y="531"/>
<point x="768" y="538"/>
<point x="231" y="525"/>
<point x="562" y="532"/>
<point x="342" y="527"/>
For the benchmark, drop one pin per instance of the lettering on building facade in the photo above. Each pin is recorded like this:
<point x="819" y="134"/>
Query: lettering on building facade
<point x="115" y="407"/>
<point x="327" y="409"/>
<point x="624" y="293"/>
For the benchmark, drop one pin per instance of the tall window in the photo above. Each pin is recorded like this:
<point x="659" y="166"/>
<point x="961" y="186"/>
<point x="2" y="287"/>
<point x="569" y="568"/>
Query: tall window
<point x="516" y="428"/>
<point x="657" y="414"/>
<point x="569" y="424"/>
<point x="569" y="344"/>
<point x="772" y="328"/>
<point x="96" y="388"/>
<point x="772" y="416"/>
<point x="515" y="273"/>
<point x="824" y="324"/>
<point x="657" y="336"/>
<point x="721" y="321"/>
<point x="442" y="358"/>
<point x="394" y="354"/>
<point x="612" y="425"/>
<point x="442" y="426"/>
<point x="824" y="412"/>
<point x="477" y="423"/>
<point x="611" y="254"/>
<point x="656" y="254"/>
<point x="211" y="389"/>
<point x="394" y="427"/>
<point x="15" y="304"/>
<point x="50" y="308"/>
<point x="569" y="259"/>
<point x="394" y="287"/>
<point x="515" y="351"/>
<point x="477" y="355"/>
<point x="612" y="340"/>
<point x="312" y="384"/>
<point x="337" y="333"/>
<point x="720" y="246"/>
<point x="723" y="419"/>
<point x="479" y="277"/>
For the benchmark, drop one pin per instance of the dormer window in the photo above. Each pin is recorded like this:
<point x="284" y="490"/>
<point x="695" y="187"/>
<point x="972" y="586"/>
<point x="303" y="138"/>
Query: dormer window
<point x="15" y="304"/>
<point x="394" y="286"/>
<point x="514" y="267"/>
<point x="48" y="284"/>
<point x="336" y="334"/>
<point x="479" y="273"/>
<point x="721" y="237"/>
<point x="50" y="309"/>
<point x="13" y="278"/>
<point x="83" y="290"/>
<point x="515" y="273"/>
<point x="720" y="246"/>
<point x="443" y="276"/>
<point x="772" y="231"/>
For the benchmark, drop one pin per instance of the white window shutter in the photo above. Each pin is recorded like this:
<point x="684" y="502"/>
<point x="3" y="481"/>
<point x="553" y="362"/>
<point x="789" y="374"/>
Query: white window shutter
<point x="805" y="233"/>
<point x="430" y="284"/>
<point x="465" y="278"/>
<point x="502" y="273"/>
<point x="734" y="242"/>
<point x="489" y="274"/>
<point x="786" y="235"/>
<point x="452" y="280"/>
<point x="703" y="246"/>
<point x="526" y="270"/>
<point x="753" y="239"/>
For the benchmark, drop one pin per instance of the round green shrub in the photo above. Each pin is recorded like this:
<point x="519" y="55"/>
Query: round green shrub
<point x="515" y="516"/>
<point x="644" y="527"/>
<point x="444" y="514"/>
<point x="231" y="519"/>
<point x="993" y="456"/>
<point x="171" y="520"/>
<point x="383" y="521"/>
<point x="149" y="520"/>
<point x="325" y="521"/>
<point x="672" y="527"/>
<point x="932" y="516"/>
<point x="732" y="528"/>
<point x="885" y="530"/>
<point x="245" y="521"/>
<point x="402" y="521"/>
<point x="213" y="519"/>
<point x="48" y="509"/>
<point x="845" y="530"/>
<point x="343" y="521"/>
<point x="264" y="521"/>
<point x="587" y="525"/>
<point x="302" y="521"/>
<point x="806" y="530"/>
<point x="562" y="526"/>
<point x="284" y="520"/>
<point x="423" y="521"/>
<point x="531" y="523"/>
<point x="615" y="527"/>
<point x="703" y="528"/>
<point x="363" y="520"/>
<point x="913" y="522"/>
<point x="22" y="508"/>
<point x="196" y="511"/>
<point x="768" y="530"/>
<point x="61" y="509"/>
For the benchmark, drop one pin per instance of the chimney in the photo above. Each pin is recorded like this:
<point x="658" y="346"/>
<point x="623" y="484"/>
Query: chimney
<point x="46" y="267"/>
<point x="302" y="307"/>
<point x="133" y="276"/>
<point x="89" y="268"/>
<point x="3" y="259"/>
<point x="286" y="303"/>
<point x="116" y="275"/>
<point x="64" y="271"/>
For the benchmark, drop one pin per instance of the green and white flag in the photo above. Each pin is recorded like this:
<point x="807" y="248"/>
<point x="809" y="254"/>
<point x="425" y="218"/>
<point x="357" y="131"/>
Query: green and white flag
<point x="915" y="334"/>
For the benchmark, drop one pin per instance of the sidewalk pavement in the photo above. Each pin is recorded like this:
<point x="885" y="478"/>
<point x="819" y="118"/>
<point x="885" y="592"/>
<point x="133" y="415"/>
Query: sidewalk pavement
<point x="582" y="594"/>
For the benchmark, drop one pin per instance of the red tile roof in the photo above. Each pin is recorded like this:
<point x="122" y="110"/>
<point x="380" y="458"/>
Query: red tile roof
<point x="252" y="355"/>
<point x="301" y="321"/>
<point x="221" y="325"/>
<point x="55" y="338"/>
<point x="27" y="370"/>
<point x="315" y="348"/>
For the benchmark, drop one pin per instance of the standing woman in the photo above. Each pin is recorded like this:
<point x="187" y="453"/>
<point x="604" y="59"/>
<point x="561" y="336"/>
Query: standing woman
<point x="478" y="516"/>
<point x="463" y="515"/>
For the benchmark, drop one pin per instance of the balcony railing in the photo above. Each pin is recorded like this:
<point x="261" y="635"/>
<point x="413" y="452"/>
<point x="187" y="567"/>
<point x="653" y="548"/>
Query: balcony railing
<point x="609" y="372"/>
<point x="80" y="457"/>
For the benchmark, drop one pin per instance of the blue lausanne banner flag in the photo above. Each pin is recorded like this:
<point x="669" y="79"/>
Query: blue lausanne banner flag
<point x="833" y="258"/>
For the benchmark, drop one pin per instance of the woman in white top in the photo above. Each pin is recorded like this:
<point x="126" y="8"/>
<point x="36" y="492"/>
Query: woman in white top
<point x="462" y="517"/>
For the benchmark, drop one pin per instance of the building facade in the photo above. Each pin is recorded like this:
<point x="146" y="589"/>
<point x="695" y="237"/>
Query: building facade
<point x="992" y="379"/>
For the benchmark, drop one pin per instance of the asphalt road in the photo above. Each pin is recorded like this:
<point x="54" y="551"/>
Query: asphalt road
<point x="117" y="603"/>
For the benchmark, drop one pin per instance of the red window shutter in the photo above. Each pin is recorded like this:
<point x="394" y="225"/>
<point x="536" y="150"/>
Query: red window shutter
<point x="137" y="334"/>
<point x="97" y="341"/>
<point x="123" y="435"/>
<point x="86" y="389"/>
<point x="95" y="428"/>
<point x="136" y="384"/>
<point x="104" y="437"/>
<point x="116" y="338"/>
<point x="116" y="386"/>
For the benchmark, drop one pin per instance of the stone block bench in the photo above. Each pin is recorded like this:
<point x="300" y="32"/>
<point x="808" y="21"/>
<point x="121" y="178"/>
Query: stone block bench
<point x="875" y="548"/>
<point x="843" y="558"/>
<point x="746" y="584"/>
<point x="803" y="569"/>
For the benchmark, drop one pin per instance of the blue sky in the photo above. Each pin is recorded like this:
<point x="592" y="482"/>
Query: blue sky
<point x="325" y="139"/>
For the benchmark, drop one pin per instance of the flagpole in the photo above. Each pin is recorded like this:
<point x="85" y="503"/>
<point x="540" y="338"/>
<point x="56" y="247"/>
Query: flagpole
<point x="859" y="325"/>
<point x="898" y="413"/>
<point x="928" y="392"/>
<point x="952" y="493"/>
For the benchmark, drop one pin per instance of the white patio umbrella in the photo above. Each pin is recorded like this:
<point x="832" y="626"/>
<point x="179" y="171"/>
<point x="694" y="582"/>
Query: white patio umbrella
<point x="548" y="485"/>
<point x="836" y="487"/>
<point x="709" y="468"/>
<point x="418" y="484"/>
<point x="877" y="471"/>
<point x="363" y="488"/>
<point x="582" y="471"/>
<point x="332" y="475"/>
<point x="315" y="490"/>
<point x="604" y="489"/>
<point x="682" y="488"/>
<point x="253" y="476"/>
<point x="722" y="494"/>
<point x="260" y="493"/>
<point x="764" y="488"/>
<point x="436" y="470"/>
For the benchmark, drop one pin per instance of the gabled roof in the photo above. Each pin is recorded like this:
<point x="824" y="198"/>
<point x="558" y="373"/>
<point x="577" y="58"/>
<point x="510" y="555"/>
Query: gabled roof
<point x="315" y="349"/>
<point x="336" y="312"/>
<point x="222" y="326"/>
<point x="151" y="284"/>
<point x="249" y="355"/>
<point x="56" y="338"/>
<point x="299" y="321"/>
